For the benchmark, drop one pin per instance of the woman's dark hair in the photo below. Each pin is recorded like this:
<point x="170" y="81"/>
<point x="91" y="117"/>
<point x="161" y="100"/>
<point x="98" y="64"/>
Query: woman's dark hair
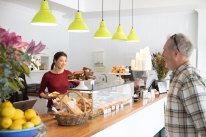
<point x="57" y="56"/>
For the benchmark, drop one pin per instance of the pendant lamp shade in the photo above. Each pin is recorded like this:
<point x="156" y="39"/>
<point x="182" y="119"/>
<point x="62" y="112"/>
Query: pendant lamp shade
<point x="78" y="24"/>
<point x="102" y="32"/>
<point x="132" y="37"/>
<point x="44" y="17"/>
<point x="119" y="35"/>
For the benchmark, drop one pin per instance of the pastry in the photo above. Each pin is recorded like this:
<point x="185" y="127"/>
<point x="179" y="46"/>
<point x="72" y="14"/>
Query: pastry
<point x="118" y="69"/>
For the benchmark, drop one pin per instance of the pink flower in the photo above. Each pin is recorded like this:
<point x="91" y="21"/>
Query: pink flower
<point x="11" y="40"/>
<point x="34" y="49"/>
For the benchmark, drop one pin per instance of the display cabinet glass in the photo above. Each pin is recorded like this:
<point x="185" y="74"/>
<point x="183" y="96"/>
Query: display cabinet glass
<point x="107" y="97"/>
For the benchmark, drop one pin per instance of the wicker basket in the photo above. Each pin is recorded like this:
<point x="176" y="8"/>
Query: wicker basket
<point x="72" y="119"/>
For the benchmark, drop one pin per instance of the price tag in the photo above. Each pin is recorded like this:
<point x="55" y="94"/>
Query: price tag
<point x="117" y="107"/>
<point x="113" y="107"/>
<point x="109" y="110"/>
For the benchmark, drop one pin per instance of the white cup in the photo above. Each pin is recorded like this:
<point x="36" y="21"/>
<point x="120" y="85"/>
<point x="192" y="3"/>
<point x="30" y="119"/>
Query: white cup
<point x="145" y="94"/>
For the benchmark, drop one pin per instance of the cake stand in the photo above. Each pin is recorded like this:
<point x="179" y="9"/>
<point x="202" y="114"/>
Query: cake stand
<point x="119" y="80"/>
<point x="82" y="85"/>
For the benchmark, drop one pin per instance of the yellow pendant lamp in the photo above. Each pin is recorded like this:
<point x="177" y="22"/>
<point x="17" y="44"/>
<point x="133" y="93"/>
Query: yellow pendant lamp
<point x="78" y="24"/>
<point x="44" y="17"/>
<point x="119" y="35"/>
<point x="132" y="37"/>
<point x="102" y="32"/>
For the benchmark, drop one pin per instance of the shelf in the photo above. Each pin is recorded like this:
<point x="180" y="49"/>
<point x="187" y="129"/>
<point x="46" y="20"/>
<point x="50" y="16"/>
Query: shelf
<point x="38" y="71"/>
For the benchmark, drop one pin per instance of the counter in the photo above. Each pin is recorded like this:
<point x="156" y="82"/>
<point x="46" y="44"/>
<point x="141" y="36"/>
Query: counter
<point x="144" y="115"/>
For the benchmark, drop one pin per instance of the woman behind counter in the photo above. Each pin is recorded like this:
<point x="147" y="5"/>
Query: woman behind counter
<point x="56" y="79"/>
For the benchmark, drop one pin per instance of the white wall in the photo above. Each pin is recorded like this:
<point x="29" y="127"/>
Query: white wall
<point x="17" y="18"/>
<point x="201" y="41"/>
<point x="152" y="29"/>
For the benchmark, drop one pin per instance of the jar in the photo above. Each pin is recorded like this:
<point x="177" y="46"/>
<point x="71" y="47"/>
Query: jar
<point x="156" y="94"/>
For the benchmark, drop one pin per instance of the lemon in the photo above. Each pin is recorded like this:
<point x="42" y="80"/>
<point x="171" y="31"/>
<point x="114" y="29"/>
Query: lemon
<point x="8" y="111"/>
<point x="15" y="126"/>
<point x="24" y="119"/>
<point x="29" y="114"/>
<point x="28" y="125"/>
<point x="20" y="121"/>
<point x="5" y="122"/>
<point x="7" y="104"/>
<point x="36" y="120"/>
<point x="19" y="114"/>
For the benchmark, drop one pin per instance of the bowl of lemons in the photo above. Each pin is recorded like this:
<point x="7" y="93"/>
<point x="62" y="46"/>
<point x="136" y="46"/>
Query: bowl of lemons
<point x="16" y="123"/>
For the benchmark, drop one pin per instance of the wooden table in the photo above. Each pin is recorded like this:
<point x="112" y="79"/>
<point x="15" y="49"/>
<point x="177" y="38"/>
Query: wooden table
<point x="93" y="126"/>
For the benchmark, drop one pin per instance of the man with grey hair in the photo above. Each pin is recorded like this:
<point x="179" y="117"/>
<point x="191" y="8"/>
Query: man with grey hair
<point x="186" y="100"/>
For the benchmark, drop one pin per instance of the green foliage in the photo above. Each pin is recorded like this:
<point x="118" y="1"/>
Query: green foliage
<point x="14" y="61"/>
<point x="158" y="63"/>
<point x="10" y="68"/>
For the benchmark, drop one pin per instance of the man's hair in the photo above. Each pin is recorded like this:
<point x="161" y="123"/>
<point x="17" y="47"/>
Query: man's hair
<point x="184" y="45"/>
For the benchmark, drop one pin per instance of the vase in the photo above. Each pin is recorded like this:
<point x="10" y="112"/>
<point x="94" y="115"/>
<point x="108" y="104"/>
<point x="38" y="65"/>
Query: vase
<point x="161" y="80"/>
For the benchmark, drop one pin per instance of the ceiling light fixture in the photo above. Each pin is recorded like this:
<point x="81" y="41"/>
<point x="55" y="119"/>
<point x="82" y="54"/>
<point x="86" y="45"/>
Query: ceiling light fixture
<point x="119" y="35"/>
<point x="78" y="24"/>
<point x="102" y="32"/>
<point x="44" y="17"/>
<point x="132" y="37"/>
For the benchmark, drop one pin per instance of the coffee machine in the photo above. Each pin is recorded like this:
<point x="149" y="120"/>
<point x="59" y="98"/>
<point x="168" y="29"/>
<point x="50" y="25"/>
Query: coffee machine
<point x="143" y="80"/>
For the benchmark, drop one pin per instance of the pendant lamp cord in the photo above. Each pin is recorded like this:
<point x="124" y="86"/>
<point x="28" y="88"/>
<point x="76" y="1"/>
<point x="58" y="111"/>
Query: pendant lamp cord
<point x="119" y="10"/>
<point x="78" y="6"/>
<point x="132" y="13"/>
<point x="102" y="11"/>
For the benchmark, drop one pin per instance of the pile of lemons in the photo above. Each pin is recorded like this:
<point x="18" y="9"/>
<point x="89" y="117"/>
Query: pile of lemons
<point x="16" y="119"/>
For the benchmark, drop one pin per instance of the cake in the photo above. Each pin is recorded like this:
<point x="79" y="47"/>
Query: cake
<point x="85" y="74"/>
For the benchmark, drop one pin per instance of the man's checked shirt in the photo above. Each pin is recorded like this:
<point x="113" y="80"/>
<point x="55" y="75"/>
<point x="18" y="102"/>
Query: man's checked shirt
<point x="186" y="104"/>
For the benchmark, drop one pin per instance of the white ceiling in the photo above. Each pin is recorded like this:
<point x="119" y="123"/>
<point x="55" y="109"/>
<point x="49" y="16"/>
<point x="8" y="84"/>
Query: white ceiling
<point x="111" y="5"/>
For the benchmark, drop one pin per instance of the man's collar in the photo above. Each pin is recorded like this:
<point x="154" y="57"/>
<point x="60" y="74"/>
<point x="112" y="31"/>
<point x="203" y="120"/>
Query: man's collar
<point x="180" y="68"/>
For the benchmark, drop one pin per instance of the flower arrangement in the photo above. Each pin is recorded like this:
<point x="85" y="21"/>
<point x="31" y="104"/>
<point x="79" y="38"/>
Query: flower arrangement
<point x="158" y="63"/>
<point x="15" y="56"/>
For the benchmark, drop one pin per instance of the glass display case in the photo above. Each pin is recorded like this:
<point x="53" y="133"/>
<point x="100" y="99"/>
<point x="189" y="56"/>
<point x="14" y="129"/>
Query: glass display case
<point x="107" y="97"/>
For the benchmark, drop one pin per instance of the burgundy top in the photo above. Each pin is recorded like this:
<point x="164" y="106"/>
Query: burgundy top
<point x="55" y="82"/>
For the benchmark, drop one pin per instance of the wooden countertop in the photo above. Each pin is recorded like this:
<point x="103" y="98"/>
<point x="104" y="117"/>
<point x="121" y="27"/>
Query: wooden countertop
<point x="93" y="126"/>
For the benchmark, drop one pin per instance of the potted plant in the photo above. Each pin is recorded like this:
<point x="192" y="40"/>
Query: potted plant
<point x="15" y="56"/>
<point x="158" y="63"/>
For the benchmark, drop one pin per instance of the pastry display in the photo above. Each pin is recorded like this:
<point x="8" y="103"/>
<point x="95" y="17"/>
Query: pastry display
<point x="79" y="103"/>
<point x="85" y="74"/>
<point x="118" y="69"/>
<point x="72" y="105"/>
